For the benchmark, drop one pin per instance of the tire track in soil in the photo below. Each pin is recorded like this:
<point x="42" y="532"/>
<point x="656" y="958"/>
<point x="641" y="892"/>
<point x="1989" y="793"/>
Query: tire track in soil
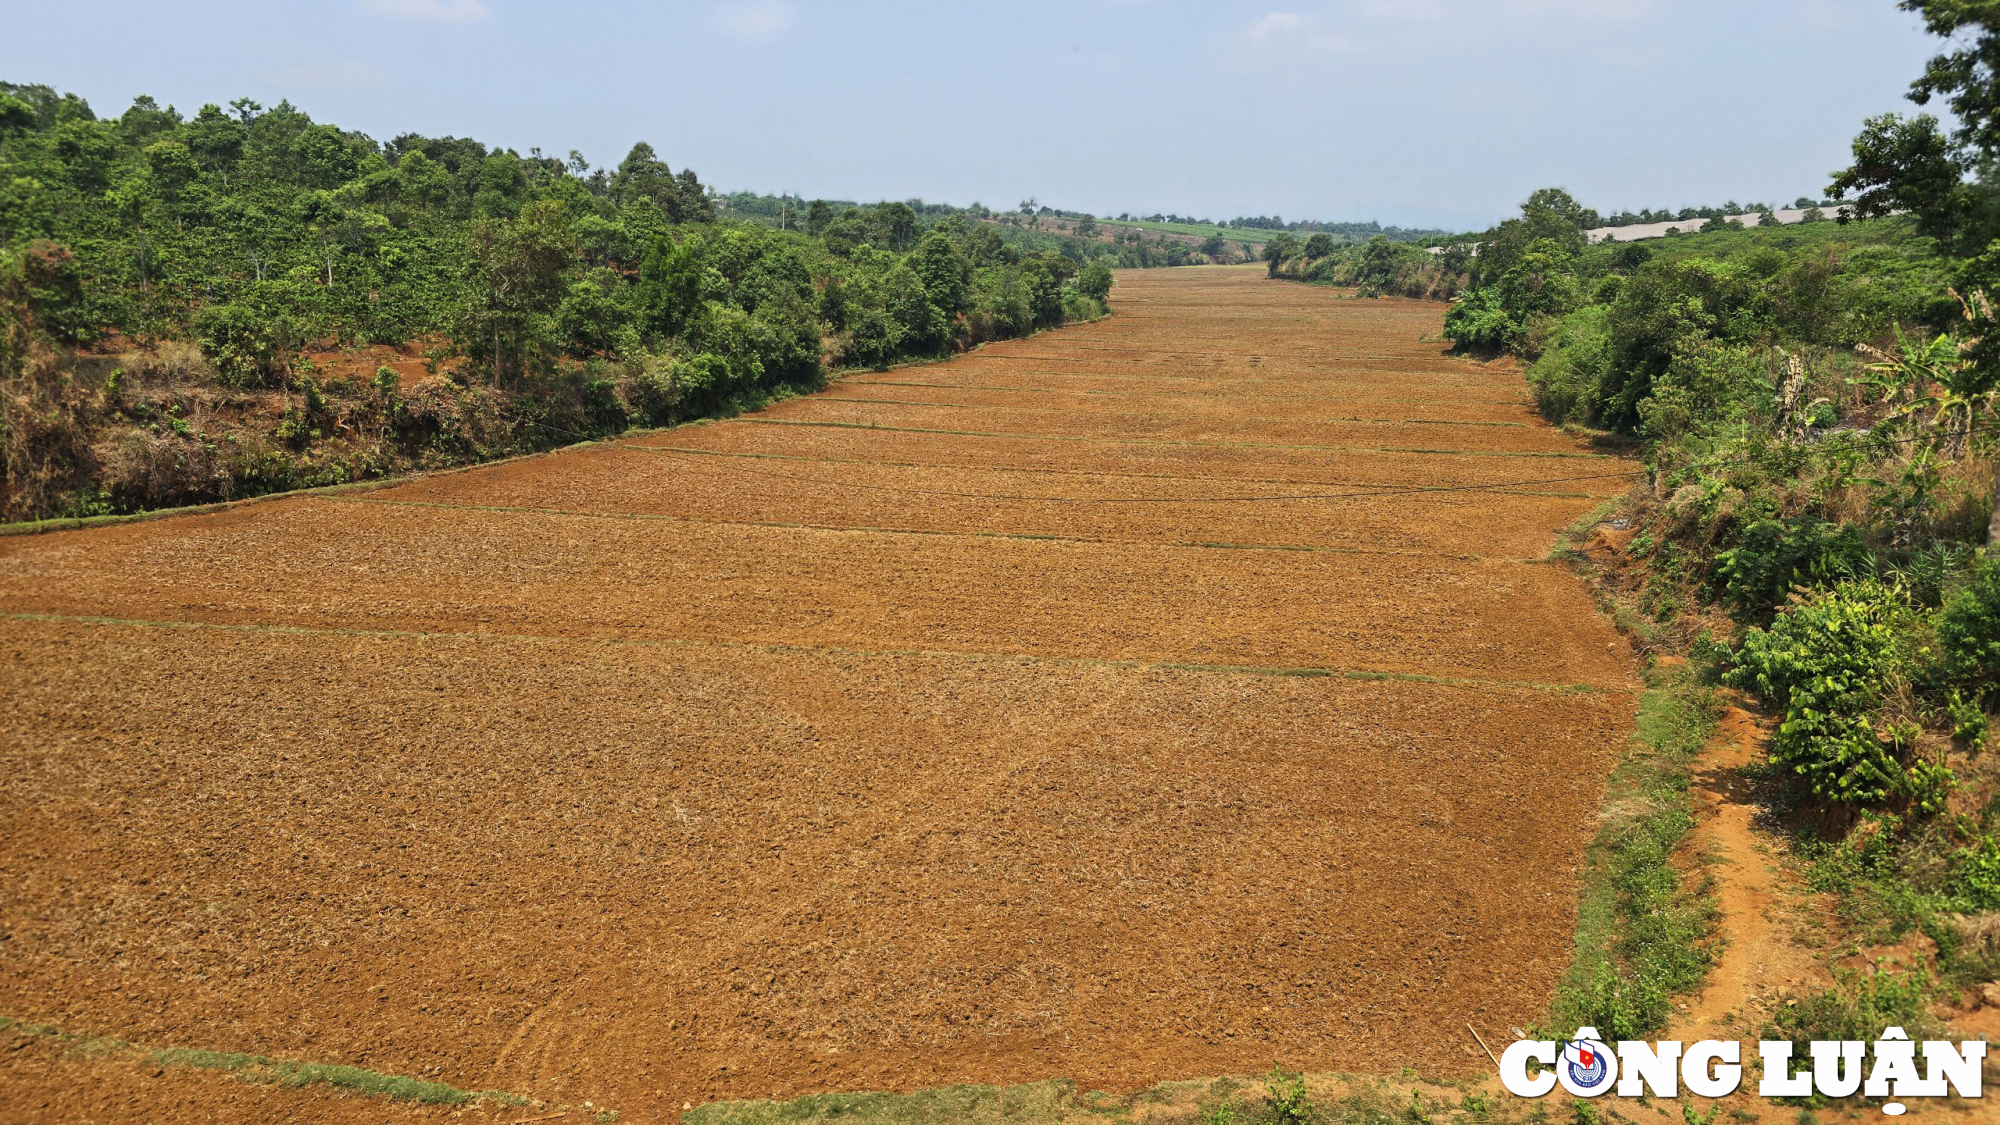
<point x="342" y="818"/>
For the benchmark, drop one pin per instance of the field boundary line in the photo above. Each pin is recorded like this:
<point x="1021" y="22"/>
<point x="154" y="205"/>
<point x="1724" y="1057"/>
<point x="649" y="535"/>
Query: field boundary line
<point x="1351" y="420"/>
<point x="1126" y="347"/>
<point x="1154" y="394"/>
<point x="870" y="529"/>
<point x="1398" y="492"/>
<point x="1494" y="489"/>
<point x="1223" y="374"/>
<point x="1162" y="441"/>
<point x="1303" y="672"/>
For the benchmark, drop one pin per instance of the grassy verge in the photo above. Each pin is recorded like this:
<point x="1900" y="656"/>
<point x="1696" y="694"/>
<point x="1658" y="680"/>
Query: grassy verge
<point x="287" y="1073"/>
<point x="1643" y="926"/>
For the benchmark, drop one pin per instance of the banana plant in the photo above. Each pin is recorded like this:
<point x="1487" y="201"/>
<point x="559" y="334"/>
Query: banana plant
<point x="1933" y="384"/>
<point x="1942" y="387"/>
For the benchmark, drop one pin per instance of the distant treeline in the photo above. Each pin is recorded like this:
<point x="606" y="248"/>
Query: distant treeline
<point x="1076" y="234"/>
<point x="1379" y="267"/>
<point x="1349" y="232"/>
<point x="1666" y="215"/>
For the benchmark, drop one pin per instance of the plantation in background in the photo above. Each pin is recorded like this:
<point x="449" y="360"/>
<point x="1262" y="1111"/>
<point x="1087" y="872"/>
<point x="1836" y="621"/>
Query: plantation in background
<point x="247" y="300"/>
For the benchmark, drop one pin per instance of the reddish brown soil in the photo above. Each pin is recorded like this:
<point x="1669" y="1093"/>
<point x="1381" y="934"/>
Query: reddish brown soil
<point x="1108" y="422"/>
<point x="362" y="363"/>
<point x="578" y="778"/>
<point x="848" y="493"/>
<point x="1349" y="468"/>
<point x="1187" y="405"/>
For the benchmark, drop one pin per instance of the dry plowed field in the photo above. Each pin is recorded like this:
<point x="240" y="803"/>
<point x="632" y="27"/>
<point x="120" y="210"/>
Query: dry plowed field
<point x="1126" y="703"/>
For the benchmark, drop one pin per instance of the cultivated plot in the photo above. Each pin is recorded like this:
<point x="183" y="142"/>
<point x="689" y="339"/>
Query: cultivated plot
<point x="858" y="744"/>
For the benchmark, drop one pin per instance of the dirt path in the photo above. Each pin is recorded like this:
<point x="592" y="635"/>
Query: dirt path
<point x="857" y="744"/>
<point x="1763" y="909"/>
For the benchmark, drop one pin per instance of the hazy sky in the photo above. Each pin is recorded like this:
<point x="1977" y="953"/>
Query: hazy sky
<point x="1417" y="112"/>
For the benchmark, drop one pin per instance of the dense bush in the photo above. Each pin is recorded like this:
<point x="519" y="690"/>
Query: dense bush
<point x="1774" y="556"/>
<point x="1478" y="322"/>
<point x="1968" y="630"/>
<point x="1976" y="877"/>
<point x="1569" y="379"/>
<point x="1823" y="664"/>
<point x="1379" y="267"/>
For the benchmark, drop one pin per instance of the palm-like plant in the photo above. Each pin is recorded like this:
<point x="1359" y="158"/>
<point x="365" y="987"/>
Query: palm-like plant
<point x="1932" y="383"/>
<point x="1952" y="380"/>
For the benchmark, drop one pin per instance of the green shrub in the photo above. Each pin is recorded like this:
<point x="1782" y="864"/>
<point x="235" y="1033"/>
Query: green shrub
<point x="1968" y="630"/>
<point x="1976" y="877"/>
<point x="247" y="341"/>
<point x="1574" y="362"/>
<point x="1285" y="1099"/>
<point x="1860" y="1005"/>
<point x="1929" y="784"/>
<point x="1772" y="556"/>
<point x="605" y="414"/>
<point x="1476" y="322"/>
<point x="1823" y="664"/>
<point x="1095" y="282"/>
<point x="654" y="395"/>
<point x="703" y="382"/>
<point x="1968" y="721"/>
<point x="1705" y="382"/>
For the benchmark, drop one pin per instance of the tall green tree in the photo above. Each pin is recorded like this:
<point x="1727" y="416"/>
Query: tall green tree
<point x="520" y="273"/>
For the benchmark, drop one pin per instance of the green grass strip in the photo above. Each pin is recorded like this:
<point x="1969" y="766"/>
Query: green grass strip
<point x="1642" y="934"/>
<point x="293" y="1075"/>
<point x="287" y="1073"/>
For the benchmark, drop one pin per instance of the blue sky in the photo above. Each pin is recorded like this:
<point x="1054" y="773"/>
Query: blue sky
<point x="1416" y="112"/>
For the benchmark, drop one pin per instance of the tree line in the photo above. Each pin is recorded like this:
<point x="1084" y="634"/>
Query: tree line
<point x="571" y="299"/>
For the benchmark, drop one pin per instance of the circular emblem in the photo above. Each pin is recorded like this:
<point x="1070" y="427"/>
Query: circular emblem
<point x="1587" y="1068"/>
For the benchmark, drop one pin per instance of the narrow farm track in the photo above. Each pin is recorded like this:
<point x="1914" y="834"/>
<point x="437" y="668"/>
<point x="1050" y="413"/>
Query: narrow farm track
<point x="978" y="722"/>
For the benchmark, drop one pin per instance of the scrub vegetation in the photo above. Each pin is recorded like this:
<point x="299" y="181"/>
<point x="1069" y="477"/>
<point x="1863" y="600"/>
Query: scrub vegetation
<point x="1815" y="408"/>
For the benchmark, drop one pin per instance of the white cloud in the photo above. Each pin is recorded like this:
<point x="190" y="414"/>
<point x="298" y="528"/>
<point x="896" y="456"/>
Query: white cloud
<point x="752" y="19"/>
<point x="1293" y="33"/>
<point x="434" y="11"/>
<point x="334" y="74"/>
